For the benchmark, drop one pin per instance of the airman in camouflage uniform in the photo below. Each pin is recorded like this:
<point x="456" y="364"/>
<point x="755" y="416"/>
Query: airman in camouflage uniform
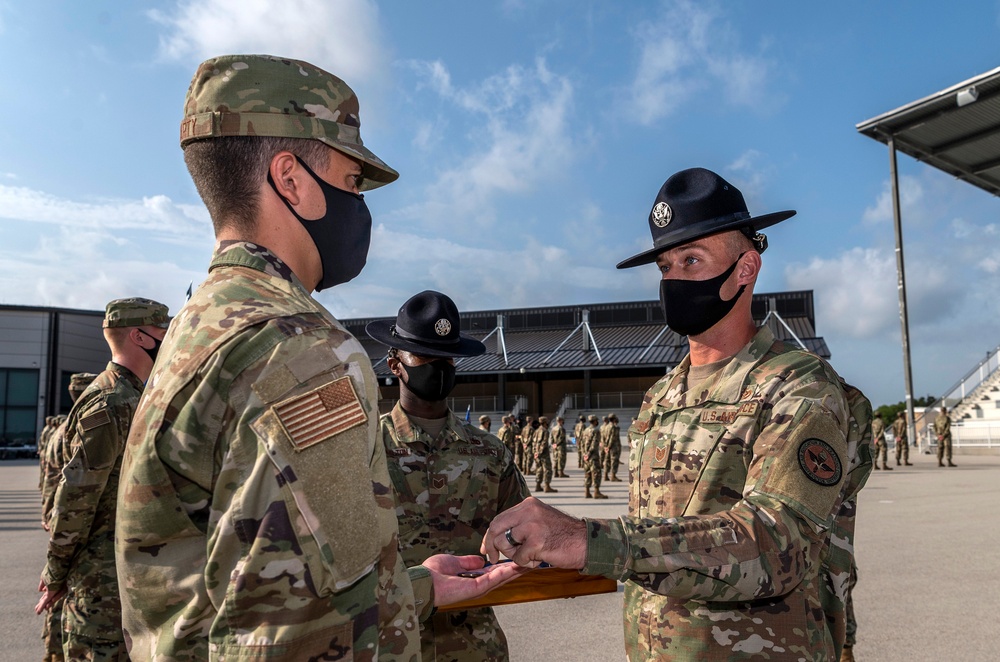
<point x="485" y="423"/>
<point x="449" y="478"/>
<point x="518" y="446"/>
<point x="540" y="451"/>
<point x="43" y="440"/>
<point x="881" y="447"/>
<point x="902" y="447"/>
<point x="581" y="425"/>
<point x="527" y="443"/>
<point x="559" y="448"/>
<point x="616" y="448"/>
<point x="744" y="469"/>
<point x="942" y="428"/>
<point x="506" y="435"/>
<point x="256" y="517"/>
<point x="81" y="554"/>
<point x="54" y="459"/>
<point x="590" y="449"/>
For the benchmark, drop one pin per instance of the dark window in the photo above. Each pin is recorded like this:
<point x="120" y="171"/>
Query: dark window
<point x="18" y="406"/>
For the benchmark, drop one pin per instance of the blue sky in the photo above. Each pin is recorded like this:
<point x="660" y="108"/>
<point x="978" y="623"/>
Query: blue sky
<point x="531" y="138"/>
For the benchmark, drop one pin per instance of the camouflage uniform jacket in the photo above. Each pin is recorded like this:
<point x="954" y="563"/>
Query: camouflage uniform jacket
<point x="56" y="457"/>
<point x="878" y="430"/>
<point x="507" y="436"/>
<point x="899" y="430"/>
<point x="256" y="517"/>
<point x="447" y="491"/>
<point x="559" y="436"/>
<point x="942" y="426"/>
<point x="540" y="442"/>
<point x="590" y="444"/>
<point x="82" y="544"/>
<point x="578" y="432"/>
<point x="733" y="493"/>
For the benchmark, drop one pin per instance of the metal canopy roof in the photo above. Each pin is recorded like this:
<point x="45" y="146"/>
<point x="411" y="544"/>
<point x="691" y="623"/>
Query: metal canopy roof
<point x="963" y="141"/>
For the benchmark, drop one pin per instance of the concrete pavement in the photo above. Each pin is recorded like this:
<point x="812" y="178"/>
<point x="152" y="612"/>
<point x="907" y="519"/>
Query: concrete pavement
<point x="928" y="550"/>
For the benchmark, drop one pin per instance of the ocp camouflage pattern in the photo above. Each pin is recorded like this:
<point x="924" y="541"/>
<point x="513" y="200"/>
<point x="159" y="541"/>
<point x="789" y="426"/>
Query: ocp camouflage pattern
<point x="448" y="489"/>
<point x="236" y="538"/>
<point x="81" y="554"/>
<point x="728" y="530"/>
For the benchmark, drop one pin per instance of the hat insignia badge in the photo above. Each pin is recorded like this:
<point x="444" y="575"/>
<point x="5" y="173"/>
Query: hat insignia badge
<point x="662" y="213"/>
<point x="442" y="327"/>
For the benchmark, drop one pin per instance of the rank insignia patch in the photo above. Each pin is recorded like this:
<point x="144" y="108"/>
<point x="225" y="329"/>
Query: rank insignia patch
<point x="322" y="413"/>
<point x="819" y="462"/>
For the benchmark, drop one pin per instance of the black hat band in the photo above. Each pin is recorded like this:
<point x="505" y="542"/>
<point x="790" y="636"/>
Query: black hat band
<point x="403" y="333"/>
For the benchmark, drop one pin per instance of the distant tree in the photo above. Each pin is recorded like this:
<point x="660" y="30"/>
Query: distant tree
<point x="889" y="411"/>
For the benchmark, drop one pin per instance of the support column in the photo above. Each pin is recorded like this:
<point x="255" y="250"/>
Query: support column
<point x="904" y="320"/>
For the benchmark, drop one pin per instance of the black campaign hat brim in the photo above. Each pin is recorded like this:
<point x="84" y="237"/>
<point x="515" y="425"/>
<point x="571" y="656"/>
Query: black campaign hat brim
<point x="381" y="331"/>
<point x="703" y="230"/>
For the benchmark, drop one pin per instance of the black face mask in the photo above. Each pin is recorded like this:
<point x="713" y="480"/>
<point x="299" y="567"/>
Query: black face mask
<point x="156" y="346"/>
<point x="692" y="307"/>
<point x="431" y="381"/>
<point x="342" y="235"/>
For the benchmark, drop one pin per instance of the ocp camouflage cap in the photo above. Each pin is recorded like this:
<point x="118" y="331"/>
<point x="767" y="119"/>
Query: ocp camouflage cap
<point x="264" y="95"/>
<point x="81" y="380"/>
<point x="135" y="311"/>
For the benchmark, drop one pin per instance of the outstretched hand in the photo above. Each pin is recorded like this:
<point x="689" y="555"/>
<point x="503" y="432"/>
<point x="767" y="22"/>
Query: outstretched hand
<point x="450" y="588"/>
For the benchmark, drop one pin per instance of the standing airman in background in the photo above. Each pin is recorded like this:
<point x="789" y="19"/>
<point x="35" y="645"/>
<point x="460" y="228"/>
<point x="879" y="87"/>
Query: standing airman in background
<point x="527" y="444"/>
<point x="590" y="448"/>
<point x="581" y="425"/>
<point x="81" y="556"/>
<point x="43" y="442"/>
<point x="613" y="444"/>
<point x="54" y="459"/>
<point x="485" y="423"/>
<point x="942" y="428"/>
<point x="449" y="478"/>
<point x="540" y="453"/>
<point x="881" y="446"/>
<point x="506" y="434"/>
<point x="518" y="446"/>
<point x="559" y="448"/>
<point x="899" y="431"/>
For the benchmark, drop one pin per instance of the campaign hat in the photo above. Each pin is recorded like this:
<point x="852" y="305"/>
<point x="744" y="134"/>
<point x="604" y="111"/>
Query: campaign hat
<point x="695" y="203"/>
<point x="426" y="325"/>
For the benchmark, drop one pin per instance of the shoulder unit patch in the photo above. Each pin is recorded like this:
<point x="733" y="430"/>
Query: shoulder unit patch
<point x="95" y="420"/>
<point x="820" y="462"/>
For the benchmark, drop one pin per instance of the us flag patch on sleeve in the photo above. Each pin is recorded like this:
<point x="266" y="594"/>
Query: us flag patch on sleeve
<point x="322" y="413"/>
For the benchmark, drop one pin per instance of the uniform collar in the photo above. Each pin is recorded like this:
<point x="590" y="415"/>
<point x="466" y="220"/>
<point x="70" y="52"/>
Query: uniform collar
<point x="409" y="432"/>
<point x="124" y="373"/>
<point x="729" y="382"/>
<point x="234" y="253"/>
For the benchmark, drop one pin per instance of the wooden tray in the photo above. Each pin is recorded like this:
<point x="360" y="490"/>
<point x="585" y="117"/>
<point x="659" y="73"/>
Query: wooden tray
<point x="540" y="584"/>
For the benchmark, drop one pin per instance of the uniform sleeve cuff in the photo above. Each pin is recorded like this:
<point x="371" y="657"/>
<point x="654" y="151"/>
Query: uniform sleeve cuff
<point x="423" y="591"/>
<point x="53" y="583"/>
<point x="607" y="549"/>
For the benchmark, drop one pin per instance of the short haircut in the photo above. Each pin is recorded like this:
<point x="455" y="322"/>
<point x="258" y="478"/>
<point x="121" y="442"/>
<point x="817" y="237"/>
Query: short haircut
<point x="228" y="173"/>
<point x="737" y="243"/>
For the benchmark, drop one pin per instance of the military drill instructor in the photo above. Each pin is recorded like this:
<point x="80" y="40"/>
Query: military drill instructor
<point x="256" y="517"/>
<point x="741" y="464"/>
<point x="449" y="478"/>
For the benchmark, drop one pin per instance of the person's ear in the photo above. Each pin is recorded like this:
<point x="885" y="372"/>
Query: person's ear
<point x="749" y="268"/>
<point x="395" y="366"/>
<point x="286" y="173"/>
<point x="136" y="335"/>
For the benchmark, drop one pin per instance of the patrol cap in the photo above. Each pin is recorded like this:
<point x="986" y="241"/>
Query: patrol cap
<point x="544" y="420"/>
<point x="81" y="380"/>
<point x="484" y="419"/>
<point x="264" y="95"/>
<point x="592" y="418"/>
<point x="135" y="312"/>
<point x="695" y="203"/>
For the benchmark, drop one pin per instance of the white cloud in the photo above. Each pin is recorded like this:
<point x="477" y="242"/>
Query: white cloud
<point x="692" y="49"/>
<point x="911" y="194"/>
<point x="480" y="276"/>
<point x="522" y="137"/>
<point x="343" y="36"/>
<point x="156" y="214"/>
<point x="58" y="252"/>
